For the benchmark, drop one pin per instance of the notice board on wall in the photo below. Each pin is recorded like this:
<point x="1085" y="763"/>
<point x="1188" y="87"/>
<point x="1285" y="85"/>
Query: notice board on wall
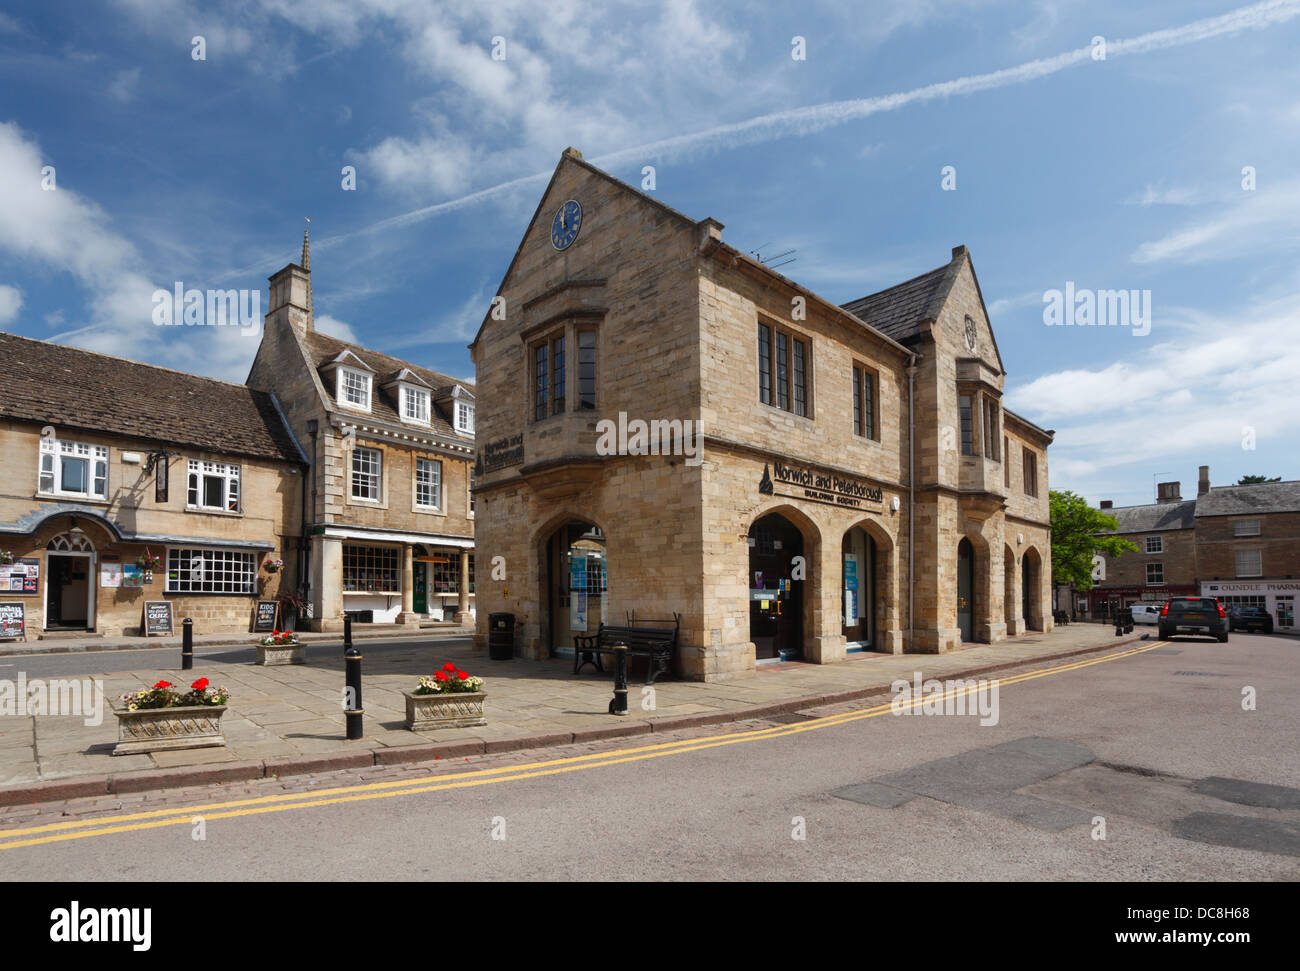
<point x="22" y="577"/>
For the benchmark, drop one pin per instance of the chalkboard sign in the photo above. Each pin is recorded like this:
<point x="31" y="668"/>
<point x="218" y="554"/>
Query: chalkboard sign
<point x="268" y="611"/>
<point x="157" y="618"/>
<point x="13" y="621"/>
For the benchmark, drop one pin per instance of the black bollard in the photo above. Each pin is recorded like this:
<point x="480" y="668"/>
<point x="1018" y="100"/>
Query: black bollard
<point x="354" y="714"/>
<point x="347" y="632"/>
<point x="618" y="704"/>
<point x="187" y="644"/>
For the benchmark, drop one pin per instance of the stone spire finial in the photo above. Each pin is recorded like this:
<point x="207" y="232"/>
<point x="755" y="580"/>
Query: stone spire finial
<point x="306" y="264"/>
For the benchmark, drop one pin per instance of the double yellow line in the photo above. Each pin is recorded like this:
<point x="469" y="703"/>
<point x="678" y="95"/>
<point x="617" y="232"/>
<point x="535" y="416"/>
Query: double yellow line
<point x="185" y="815"/>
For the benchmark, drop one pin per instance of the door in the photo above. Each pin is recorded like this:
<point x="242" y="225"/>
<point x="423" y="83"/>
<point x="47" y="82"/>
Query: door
<point x="420" y="592"/>
<point x="775" y="596"/>
<point x="965" y="590"/>
<point x="68" y="590"/>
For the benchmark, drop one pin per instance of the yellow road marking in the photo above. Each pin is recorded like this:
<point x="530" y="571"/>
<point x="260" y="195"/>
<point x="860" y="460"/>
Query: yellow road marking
<point x="181" y="815"/>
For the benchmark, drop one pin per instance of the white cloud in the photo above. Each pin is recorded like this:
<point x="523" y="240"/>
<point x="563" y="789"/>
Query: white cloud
<point x="1268" y="212"/>
<point x="11" y="301"/>
<point x="122" y="87"/>
<point x="336" y="328"/>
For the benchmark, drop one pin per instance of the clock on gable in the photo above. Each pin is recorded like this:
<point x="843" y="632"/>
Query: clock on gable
<point x="565" y="226"/>
<point x="970" y="334"/>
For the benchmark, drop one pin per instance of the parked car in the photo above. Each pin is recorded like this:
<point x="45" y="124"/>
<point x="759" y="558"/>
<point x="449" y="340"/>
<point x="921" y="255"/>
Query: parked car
<point x="1194" y="615"/>
<point x="1146" y="613"/>
<point x="1250" y="618"/>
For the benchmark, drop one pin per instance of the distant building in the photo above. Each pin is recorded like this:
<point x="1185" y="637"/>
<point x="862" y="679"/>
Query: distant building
<point x="389" y="528"/>
<point x="1238" y="543"/>
<point x="109" y="461"/>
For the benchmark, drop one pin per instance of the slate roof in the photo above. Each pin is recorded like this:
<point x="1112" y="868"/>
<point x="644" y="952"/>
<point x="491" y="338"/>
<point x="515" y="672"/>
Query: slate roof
<point x="67" y="387"/>
<point x="1150" y="518"/>
<point x="897" y="312"/>
<point x="1262" y="497"/>
<point x="383" y="403"/>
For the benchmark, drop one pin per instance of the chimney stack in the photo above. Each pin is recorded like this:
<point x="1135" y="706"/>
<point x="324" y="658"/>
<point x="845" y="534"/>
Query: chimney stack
<point x="1169" y="492"/>
<point x="290" y="293"/>
<point x="1107" y="504"/>
<point x="1203" y="485"/>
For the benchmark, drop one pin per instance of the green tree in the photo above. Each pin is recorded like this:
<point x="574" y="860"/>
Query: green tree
<point x="1075" y="526"/>
<point x="1252" y="479"/>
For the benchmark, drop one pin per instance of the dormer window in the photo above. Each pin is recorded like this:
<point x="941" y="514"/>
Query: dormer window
<point x="464" y="418"/>
<point x="415" y="405"/>
<point x="353" y="389"/>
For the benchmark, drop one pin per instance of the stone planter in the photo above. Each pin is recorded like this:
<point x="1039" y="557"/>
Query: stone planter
<point x="160" y="729"/>
<point x="281" y="654"/>
<point x="462" y="709"/>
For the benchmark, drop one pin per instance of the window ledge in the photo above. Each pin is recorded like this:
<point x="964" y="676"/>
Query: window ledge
<point x="429" y="510"/>
<point x="236" y="513"/>
<point x="76" y="497"/>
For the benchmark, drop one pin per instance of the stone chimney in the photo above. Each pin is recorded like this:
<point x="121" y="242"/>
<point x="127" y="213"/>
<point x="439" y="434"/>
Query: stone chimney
<point x="1107" y="504"/>
<point x="1203" y="484"/>
<point x="1169" y="492"/>
<point x="290" y="296"/>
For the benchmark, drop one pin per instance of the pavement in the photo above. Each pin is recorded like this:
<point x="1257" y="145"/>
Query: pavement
<point x="288" y="720"/>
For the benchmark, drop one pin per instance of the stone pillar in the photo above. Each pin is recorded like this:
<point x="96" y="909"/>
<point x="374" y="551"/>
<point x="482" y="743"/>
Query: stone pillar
<point x="1011" y="596"/>
<point x="408" y="615"/>
<point x="462" y="605"/>
<point x="327" y="584"/>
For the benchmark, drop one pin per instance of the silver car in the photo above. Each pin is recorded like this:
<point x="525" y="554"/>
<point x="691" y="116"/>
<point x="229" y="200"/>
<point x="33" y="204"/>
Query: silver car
<point x="1146" y="613"/>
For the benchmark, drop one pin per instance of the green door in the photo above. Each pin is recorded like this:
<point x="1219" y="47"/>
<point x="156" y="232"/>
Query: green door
<point x="420" y="597"/>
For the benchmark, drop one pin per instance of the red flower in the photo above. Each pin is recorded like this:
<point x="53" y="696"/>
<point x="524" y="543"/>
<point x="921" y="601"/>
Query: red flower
<point x="163" y="684"/>
<point x="449" y="666"/>
<point x="200" y="685"/>
<point x="441" y="676"/>
<point x="462" y="675"/>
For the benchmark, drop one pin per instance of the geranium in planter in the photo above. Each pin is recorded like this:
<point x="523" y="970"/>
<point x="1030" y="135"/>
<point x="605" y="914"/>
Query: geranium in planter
<point x="149" y="561"/>
<point x="282" y="647"/>
<point x="164" y="717"/>
<point x="449" y="699"/>
<point x="273" y="565"/>
<point x="6" y="557"/>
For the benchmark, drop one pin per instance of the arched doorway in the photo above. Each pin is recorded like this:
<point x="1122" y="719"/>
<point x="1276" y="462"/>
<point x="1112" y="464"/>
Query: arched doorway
<point x="860" y="592"/>
<point x="776" y="588"/>
<point x="966" y="589"/>
<point x="1029" y="583"/>
<point x="576" y="581"/>
<point x="70" y="582"/>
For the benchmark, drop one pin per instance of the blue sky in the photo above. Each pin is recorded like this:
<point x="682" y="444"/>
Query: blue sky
<point x="1122" y="173"/>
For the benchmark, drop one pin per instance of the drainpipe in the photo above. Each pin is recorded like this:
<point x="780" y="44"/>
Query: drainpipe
<point x="304" y="565"/>
<point x="911" y="501"/>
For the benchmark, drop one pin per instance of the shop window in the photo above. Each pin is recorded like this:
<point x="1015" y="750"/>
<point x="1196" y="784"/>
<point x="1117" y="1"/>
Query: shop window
<point x="371" y="569"/>
<point x="211" y="571"/>
<point x="213" y="485"/>
<point x="73" y="469"/>
<point x="446" y="574"/>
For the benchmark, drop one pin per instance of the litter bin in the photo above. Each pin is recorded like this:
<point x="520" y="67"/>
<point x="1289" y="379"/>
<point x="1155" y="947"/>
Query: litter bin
<point x="501" y="636"/>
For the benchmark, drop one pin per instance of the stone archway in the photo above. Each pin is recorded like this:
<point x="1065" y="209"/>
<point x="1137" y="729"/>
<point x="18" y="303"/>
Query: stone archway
<point x="869" y="549"/>
<point x="1031" y="593"/>
<point x="573" y="580"/>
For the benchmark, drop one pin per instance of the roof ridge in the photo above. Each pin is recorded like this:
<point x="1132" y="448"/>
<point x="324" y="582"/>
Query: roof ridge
<point x="127" y="360"/>
<point x="895" y="286"/>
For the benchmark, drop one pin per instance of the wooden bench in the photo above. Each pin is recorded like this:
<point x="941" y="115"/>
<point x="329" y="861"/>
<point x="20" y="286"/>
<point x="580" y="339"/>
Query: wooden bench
<point x="651" y="639"/>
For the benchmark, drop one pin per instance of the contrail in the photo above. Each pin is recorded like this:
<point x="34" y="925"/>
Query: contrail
<point x="815" y="118"/>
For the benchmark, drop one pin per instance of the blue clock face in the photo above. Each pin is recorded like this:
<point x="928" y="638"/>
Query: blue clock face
<point x="564" y="229"/>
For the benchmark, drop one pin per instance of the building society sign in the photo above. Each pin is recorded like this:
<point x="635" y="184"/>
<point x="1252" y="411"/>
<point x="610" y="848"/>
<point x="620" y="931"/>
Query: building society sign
<point x="503" y="453"/>
<point x="817" y="485"/>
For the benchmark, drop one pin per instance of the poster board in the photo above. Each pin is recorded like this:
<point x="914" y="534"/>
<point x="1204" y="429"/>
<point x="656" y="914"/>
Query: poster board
<point x="13" y="619"/>
<point x="21" y="578"/>
<point x="578" y="592"/>
<point x="266" y="615"/>
<point x="156" y="618"/>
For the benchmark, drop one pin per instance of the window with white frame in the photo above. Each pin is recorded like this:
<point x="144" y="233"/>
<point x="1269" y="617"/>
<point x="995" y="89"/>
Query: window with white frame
<point x="367" y="473"/>
<point x="464" y="418"/>
<point x="73" y="469"/>
<point x="1249" y="563"/>
<point x="1155" y="544"/>
<point x="1155" y="573"/>
<point x="371" y="569"/>
<point x="354" y="389"/>
<point x="1245" y="527"/>
<point x="213" y="485"/>
<point x="428" y="483"/>
<point x="211" y="571"/>
<point x="415" y="405"/>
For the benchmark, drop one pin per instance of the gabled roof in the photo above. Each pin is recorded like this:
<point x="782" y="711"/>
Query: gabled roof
<point x="1152" y="517"/>
<point x="322" y="349"/>
<point x="899" y="311"/>
<point x="67" y="387"/>
<point x="1261" y="497"/>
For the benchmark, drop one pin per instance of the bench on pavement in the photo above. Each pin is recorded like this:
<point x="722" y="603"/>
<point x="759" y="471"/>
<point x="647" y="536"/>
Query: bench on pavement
<point x="655" y="640"/>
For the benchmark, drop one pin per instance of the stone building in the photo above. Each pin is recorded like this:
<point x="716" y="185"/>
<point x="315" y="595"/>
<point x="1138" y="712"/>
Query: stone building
<point x="858" y="485"/>
<point x="1237" y="543"/>
<point x="108" y="461"/>
<point x="389" y="533"/>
